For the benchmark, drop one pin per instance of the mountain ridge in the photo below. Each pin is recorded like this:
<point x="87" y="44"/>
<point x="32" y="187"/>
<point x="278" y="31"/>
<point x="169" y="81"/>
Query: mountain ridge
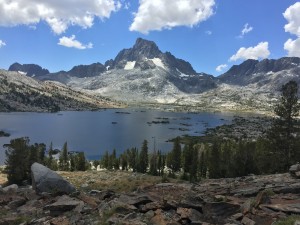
<point x="144" y="74"/>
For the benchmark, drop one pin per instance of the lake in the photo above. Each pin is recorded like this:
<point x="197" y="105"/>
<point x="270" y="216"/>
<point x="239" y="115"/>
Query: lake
<point x="98" y="131"/>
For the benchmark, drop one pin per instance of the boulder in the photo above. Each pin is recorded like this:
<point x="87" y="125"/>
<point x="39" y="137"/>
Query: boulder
<point x="46" y="180"/>
<point x="295" y="170"/>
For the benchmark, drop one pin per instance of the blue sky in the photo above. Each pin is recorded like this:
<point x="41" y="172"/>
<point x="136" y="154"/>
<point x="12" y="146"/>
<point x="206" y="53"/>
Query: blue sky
<point x="212" y="35"/>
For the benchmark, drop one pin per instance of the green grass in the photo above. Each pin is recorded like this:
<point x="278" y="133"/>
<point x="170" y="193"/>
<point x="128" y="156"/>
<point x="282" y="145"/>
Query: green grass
<point x="289" y="220"/>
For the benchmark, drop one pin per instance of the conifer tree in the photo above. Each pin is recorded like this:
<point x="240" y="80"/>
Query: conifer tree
<point x="64" y="158"/>
<point x="143" y="158"/>
<point x="175" y="163"/>
<point x="105" y="161"/>
<point x="153" y="164"/>
<point x="16" y="160"/>
<point x="284" y="132"/>
<point x="80" y="162"/>
<point x="214" y="161"/>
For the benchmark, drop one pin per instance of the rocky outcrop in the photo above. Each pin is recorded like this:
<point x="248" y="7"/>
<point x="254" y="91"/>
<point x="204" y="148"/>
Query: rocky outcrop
<point x="31" y="70"/>
<point x="92" y="70"/>
<point x="46" y="180"/>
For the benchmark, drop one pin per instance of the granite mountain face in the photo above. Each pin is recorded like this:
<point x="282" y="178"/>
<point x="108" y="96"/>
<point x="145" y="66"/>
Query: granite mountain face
<point x="144" y="74"/>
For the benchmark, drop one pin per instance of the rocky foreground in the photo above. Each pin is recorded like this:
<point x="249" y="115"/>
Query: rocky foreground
<point x="247" y="200"/>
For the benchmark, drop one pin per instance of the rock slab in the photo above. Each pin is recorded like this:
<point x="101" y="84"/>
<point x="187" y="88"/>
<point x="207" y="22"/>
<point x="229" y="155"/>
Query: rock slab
<point x="46" y="180"/>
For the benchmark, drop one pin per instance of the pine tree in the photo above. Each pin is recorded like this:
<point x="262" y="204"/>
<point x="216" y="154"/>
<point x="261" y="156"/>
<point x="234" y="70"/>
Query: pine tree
<point x="105" y="161"/>
<point x="153" y="164"/>
<point x="175" y="163"/>
<point x="16" y="160"/>
<point x="143" y="158"/>
<point x="215" y="161"/>
<point x="284" y="132"/>
<point x="80" y="162"/>
<point x="115" y="160"/>
<point x="64" y="158"/>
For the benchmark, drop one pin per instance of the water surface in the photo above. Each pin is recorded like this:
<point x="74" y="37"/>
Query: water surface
<point x="96" y="132"/>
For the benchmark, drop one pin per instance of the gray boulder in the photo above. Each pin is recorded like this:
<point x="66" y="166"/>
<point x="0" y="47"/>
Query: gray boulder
<point x="46" y="180"/>
<point x="295" y="170"/>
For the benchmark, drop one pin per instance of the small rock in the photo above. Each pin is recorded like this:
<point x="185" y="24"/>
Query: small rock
<point x="237" y="216"/>
<point x="17" y="202"/>
<point x="12" y="187"/>
<point x="247" y="221"/>
<point x="191" y="214"/>
<point x="262" y="198"/>
<point x="60" y="221"/>
<point x="84" y="185"/>
<point x="149" y="214"/>
<point x="220" y="198"/>
<point x="63" y="204"/>
<point x="246" y="207"/>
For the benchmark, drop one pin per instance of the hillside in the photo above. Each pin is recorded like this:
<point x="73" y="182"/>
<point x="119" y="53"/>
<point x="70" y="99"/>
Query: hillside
<point x="19" y="92"/>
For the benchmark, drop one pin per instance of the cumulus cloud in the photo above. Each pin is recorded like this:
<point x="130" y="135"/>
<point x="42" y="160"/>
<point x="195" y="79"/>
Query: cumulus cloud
<point x="221" y="67"/>
<point x="58" y="14"/>
<point x="166" y="14"/>
<point x="292" y="47"/>
<point x="71" y="42"/>
<point x="292" y="15"/>
<point x="2" y="43"/>
<point x="245" y="30"/>
<point x="259" y="51"/>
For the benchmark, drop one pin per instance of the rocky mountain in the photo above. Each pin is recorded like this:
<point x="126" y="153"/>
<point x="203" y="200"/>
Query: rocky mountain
<point x="144" y="74"/>
<point x="267" y="71"/>
<point x="139" y="74"/>
<point x="19" y="92"/>
<point x="31" y="70"/>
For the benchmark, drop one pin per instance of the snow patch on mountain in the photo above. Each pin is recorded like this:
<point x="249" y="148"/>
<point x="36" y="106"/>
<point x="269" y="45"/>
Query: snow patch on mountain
<point x="158" y="62"/>
<point x="129" y="65"/>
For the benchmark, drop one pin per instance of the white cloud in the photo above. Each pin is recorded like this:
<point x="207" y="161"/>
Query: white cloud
<point x="166" y="14"/>
<point x="2" y="43"/>
<point x="245" y="30"/>
<point x="221" y="67"/>
<point x="292" y="47"/>
<point x="208" y="32"/>
<point x="292" y="15"/>
<point x="57" y="13"/>
<point x="127" y="5"/>
<point x="259" y="51"/>
<point x="71" y="42"/>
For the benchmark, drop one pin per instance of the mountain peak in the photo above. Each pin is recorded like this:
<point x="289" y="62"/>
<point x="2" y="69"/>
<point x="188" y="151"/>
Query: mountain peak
<point x="142" y="49"/>
<point x="146" y="48"/>
<point x="29" y="69"/>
